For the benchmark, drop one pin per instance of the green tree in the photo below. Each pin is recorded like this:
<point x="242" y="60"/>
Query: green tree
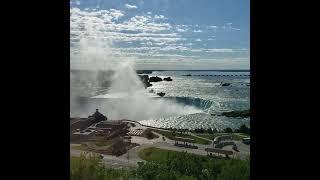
<point x="118" y="147"/>
<point x="244" y="129"/>
<point x="228" y="130"/>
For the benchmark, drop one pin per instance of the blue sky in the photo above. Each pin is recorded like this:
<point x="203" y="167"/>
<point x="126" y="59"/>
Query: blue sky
<point x="162" y="34"/>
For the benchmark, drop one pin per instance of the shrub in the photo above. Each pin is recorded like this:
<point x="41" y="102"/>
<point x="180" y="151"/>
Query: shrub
<point x="228" y="130"/>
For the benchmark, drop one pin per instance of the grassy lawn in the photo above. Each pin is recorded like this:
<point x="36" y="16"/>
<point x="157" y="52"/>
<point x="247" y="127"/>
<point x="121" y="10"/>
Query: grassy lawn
<point x="168" y="134"/>
<point x="157" y="154"/>
<point x="235" y="136"/>
<point x="91" y="168"/>
<point x="162" y="164"/>
<point x="103" y="143"/>
<point x="80" y="147"/>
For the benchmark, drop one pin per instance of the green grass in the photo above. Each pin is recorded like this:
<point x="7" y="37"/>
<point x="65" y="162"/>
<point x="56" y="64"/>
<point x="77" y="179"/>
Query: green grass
<point x="103" y="143"/>
<point x="80" y="147"/>
<point x="90" y="167"/>
<point x="169" y="135"/>
<point x="157" y="154"/>
<point x="166" y="164"/>
<point x="235" y="136"/>
<point x="162" y="164"/>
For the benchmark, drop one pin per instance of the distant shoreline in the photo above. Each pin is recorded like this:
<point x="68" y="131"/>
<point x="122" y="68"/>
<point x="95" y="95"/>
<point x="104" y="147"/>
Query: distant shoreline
<point x="139" y="71"/>
<point x="224" y="70"/>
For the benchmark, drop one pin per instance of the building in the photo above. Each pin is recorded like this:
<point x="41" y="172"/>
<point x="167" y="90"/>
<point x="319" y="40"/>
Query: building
<point x="78" y="123"/>
<point x="78" y="126"/>
<point x="83" y="123"/>
<point x="112" y="125"/>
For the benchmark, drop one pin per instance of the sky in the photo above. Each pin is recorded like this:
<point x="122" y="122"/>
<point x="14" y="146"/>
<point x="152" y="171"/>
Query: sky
<point x="160" y="34"/>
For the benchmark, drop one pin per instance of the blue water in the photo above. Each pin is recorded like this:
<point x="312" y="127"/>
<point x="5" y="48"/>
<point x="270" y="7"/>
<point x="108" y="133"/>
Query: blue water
<point x="203" y="93"/>
<point x="206" y="93"/>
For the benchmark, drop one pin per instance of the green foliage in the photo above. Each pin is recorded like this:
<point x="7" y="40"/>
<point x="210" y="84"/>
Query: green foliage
<point x="172" y="134"/>
<point x="118" y="147"/>
<point x="90" y="166"/>
<point x="149" y="135"/>
<point x="244" y="129"/>
<point x="228" y="130"/>
<point x="168" y="164"/>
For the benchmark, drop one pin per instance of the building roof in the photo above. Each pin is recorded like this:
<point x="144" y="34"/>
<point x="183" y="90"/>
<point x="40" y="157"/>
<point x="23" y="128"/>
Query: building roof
<point x="75" y="120"/>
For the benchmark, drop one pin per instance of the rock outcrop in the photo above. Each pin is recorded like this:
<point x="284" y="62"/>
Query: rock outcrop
<point x="145" y="80"/>
<point x="225" y="84"/>
<point x="155" y="79"/>
<point x="161" y="94"/>
<point x="167" y="79"/>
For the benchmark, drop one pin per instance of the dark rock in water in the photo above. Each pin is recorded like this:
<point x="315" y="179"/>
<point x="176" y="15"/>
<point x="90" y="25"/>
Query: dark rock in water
<point x="187" y="75"/>
<point x="167" y="79"/>
<point x="225" y="84"/>
<point x="161" y="94"/>
<point x="145" y="80"/>
<point x="155" y="79"/>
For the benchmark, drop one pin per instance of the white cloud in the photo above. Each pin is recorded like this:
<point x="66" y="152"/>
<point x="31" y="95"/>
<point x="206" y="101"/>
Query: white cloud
<point x="130" y="6"/>
<point x="213" y="27"/>
<point x="159" y="40"/>
<point x="149" y="12"/>
<point x="228" y="26"/>
<point x="197" y="31"/>
<point x="181" y="30"/>
<point x="159" y="17"/>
